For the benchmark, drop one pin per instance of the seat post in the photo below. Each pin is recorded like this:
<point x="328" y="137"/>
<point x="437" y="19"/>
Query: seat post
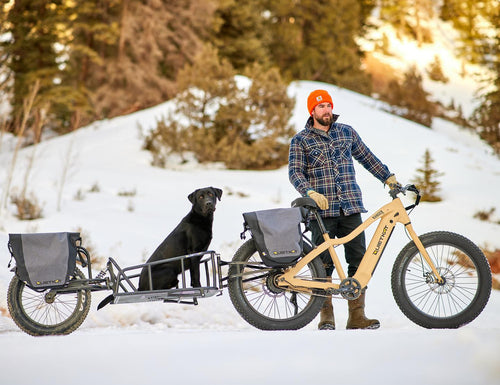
<point x="309" y="204"/>
<point x="321" y="225"/>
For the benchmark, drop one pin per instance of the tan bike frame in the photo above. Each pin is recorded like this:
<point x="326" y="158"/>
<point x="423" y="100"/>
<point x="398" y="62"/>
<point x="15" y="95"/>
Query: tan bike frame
<point x="389" y="215"/>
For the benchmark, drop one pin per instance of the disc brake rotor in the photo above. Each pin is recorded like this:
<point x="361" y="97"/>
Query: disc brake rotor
<point x="448" y="281"/>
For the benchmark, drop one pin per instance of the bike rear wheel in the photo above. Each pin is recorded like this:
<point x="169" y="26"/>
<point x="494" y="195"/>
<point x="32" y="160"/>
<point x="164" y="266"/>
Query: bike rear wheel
<point x="454" y="303"/>
<point x="43" y="312"/>
<point x="263" y="304"/>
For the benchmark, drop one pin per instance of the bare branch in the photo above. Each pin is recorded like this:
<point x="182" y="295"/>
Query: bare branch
<point x="27" y="106"/>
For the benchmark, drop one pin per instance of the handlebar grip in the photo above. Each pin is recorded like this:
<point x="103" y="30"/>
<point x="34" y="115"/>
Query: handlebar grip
<point x="393" y="192"/>
<point x="409" y="187"/>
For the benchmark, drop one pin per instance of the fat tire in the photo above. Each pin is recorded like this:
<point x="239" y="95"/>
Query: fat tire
<point x="466" y="290"/>
<point x="18" y="308"/>
<point x="239" y="295"/>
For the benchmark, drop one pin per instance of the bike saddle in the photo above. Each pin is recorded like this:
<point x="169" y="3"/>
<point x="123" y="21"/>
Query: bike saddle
<point x="305" y="202"/>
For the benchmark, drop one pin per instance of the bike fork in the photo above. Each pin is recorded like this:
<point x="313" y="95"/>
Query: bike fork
<point x="423" y="252"/>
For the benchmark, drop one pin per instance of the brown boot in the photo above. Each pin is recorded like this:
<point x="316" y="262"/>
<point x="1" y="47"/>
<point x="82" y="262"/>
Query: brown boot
<point x="357" y="318"/>
<point x="327" y="320"/>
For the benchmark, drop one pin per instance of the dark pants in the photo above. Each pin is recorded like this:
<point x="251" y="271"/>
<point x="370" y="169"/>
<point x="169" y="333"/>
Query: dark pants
<point x="340" y="227"/>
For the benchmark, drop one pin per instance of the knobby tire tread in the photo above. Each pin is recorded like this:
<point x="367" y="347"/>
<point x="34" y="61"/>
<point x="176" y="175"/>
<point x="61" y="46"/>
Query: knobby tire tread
<point x="472" y="310"/>
<point x="258" y="320"/>
<point x="31" y="327"/>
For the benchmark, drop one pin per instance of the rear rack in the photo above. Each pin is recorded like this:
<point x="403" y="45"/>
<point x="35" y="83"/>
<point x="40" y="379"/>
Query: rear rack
<point x="125" y="281"/>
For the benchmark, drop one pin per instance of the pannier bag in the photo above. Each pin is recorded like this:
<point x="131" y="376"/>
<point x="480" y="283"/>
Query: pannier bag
<point x="44" y="259"/>
<point x="277" y="234"/>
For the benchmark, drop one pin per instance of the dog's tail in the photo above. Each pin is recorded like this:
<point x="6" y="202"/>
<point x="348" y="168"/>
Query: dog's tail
<point x="105" y="301"/>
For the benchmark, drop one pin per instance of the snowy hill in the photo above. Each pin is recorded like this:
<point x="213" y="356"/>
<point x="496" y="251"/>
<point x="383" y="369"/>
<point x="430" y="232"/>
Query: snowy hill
<point x="126" y="208"/>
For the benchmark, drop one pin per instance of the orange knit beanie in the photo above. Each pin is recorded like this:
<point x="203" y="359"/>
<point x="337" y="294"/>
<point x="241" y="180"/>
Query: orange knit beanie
<point x="317" y="97"/>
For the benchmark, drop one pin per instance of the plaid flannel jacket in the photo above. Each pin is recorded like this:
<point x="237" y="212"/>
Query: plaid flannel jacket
<point x="322" y="161"/>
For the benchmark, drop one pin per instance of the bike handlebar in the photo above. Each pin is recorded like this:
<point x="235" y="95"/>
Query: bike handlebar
<point x="309" y="204"/>
<point x="399" y="189"/>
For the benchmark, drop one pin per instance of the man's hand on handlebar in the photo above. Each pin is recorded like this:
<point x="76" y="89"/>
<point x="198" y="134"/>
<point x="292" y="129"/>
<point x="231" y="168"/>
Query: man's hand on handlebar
<point x="400" y="189"/>
<point x="392" y="182"/>
<point x="320" y="199"/>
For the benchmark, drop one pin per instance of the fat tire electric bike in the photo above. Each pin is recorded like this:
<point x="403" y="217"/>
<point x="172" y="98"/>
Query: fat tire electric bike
<point x="439" y="280"/>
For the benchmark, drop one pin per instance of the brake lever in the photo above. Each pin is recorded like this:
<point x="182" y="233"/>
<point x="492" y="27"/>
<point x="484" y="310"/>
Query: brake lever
<point x="393" y="192"/>
<point x="414" y="189"/>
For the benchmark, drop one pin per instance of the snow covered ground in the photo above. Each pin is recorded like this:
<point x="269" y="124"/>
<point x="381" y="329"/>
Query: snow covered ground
<point x="210" y="343"/>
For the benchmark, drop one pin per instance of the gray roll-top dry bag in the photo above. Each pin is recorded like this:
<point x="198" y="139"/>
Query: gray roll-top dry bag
<point x="277" y="234"/>
<point x="44" y="260"/>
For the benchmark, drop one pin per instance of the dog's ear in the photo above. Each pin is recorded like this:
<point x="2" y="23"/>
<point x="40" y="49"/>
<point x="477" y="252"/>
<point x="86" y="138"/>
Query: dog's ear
<point x="192" y="196"/>
<point x="218" y="192"/>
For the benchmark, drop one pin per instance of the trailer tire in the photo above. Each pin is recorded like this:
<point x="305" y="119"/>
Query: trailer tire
<point x="40" y="313"/>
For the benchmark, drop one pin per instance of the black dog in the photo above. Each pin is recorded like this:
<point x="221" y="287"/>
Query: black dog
<point x="192" y="235"/>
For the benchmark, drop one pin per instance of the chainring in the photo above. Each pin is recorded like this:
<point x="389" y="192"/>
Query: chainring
<point x="350" y="288"/>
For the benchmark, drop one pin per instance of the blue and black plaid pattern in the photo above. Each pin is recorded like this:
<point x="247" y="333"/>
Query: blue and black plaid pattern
<point x="322" y="161"/>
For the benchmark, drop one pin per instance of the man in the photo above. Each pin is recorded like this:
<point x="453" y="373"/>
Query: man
<point x="321" y="167"/>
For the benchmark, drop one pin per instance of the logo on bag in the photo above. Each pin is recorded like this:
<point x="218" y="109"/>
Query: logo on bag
<point x="284" y="252"/>
<point x="55" y="281"/>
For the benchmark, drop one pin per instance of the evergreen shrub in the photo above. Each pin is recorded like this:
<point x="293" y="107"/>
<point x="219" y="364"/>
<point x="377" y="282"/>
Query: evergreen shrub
<point x="244" y="126"/>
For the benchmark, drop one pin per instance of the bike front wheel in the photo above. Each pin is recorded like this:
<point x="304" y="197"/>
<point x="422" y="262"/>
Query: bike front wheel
<point x="451" y="304"/>
<point x="45" y="312"/>
<point x="264" y="305"/>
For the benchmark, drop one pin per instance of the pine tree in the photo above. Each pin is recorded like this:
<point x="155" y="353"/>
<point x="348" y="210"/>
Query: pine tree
<point x="286" y="43"/>
<point x="408" y="17"/>
<point x="366" y="8"/>
<point x="487" y="115"/>
<point x="426" y="179"/>
<point x="126" y="54"/>
<point x="409" y="99"/>
<point x="29" y="51"/>
<point x="395" y="12"/>
<point x="243" y="128"/>
<point x="93" y="43"/>
<point x="315" y="40"/>
<point x="423" y="11"/>
<point x="467" y="17"/>
<point x="448" y="10"/>
<point x="242" y="35"/>
<point x="435" y="71"/>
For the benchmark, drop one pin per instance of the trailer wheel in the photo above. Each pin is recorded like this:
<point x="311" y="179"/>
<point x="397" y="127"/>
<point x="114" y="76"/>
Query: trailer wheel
<point x="45" y="312"/>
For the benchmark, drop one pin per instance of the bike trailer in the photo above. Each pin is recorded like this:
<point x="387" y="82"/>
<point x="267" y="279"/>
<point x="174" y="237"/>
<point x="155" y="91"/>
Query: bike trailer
<point x="44" y="260"/>
<point x="277" y="234"/>
<point x="126" y="291"/>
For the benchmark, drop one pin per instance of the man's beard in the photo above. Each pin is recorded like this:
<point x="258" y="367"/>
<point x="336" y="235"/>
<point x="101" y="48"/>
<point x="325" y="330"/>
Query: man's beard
<point x="325" y="120"/>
